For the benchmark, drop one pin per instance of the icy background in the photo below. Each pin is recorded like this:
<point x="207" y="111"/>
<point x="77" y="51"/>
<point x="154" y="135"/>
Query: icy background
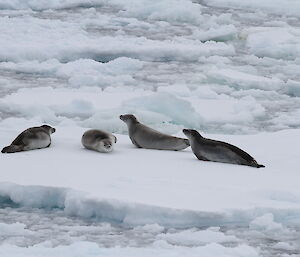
<point x="174" y="63"/>
<point x="220" y="66"/>
<point x="55" y="233"/>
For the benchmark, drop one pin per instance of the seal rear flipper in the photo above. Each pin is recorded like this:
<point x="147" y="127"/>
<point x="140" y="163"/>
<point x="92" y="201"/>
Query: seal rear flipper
<point x="12" y="149"/>
<point x="256" y="165"/>
<point x="187" y="142"/>
<point x="179" y="144"/>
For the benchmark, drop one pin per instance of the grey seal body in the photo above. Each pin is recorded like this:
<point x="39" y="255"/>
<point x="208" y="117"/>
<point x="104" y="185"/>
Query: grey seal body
<point x="145" y="137"/>
<point x="30" y="139"/>
<point x="217" y="151"/>
<point x="98" y="140"/>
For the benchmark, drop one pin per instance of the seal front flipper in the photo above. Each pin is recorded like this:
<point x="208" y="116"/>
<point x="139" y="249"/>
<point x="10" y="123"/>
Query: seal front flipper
<point x="12" y="149"/>
<point x="201" y="158"/>
<point x="135" y="143"/>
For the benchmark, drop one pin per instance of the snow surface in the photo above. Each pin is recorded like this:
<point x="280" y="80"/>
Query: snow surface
<point x="125" y="185"/>
<point x="228" y="68"/>
<point x="17" y="229"/>
<point x="91" y="249"/>
<point x="287" y="7"/>
<point x="134" y="187"/>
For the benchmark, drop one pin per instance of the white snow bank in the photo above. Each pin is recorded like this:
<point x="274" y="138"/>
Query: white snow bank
<point x="15" y="229"/>
<point x="80" y="204"/>
<point x="242" y="80"/>
<point x="229" y="114"/>
<point x="44" y="4"/>
<point x="82" y="72"/>
<point x="220" y="33"/>
<point x="66" y="41"/>
<point x="89" y="107"/>
<point x="167" y="10"/>
<point x="286" y="7"/>
<point x="275" y="42"/>
<point x="293" y="88"/>
<point x="193" y="237"/>
<point x="265" y="222"/>
<point x="138" y="186"/>
<point x="160" y="250"/>
<point x="178" y="110"/>
<point x="284" y="246"/>
<point x="169" y="109"/>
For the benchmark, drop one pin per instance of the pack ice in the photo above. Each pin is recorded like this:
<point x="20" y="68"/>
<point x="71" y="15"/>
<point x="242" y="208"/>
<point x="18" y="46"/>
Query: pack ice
<point x="227" y="68"/>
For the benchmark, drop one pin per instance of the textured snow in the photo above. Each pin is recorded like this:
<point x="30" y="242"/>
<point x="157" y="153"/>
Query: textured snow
<point x="67" y="41"/>
<point x="274" y="42"/>
<point x="52" y="228"/>
<point x="166" y="10"/>
<point x="192" y="237"/>
<point x="197" y="54"/>
<point x="288" y="7"/>
<point x="91" y="249"/>
<point x="265" y="222"/>
<point x="16" y="229"/>
<point x="207" y="195"/>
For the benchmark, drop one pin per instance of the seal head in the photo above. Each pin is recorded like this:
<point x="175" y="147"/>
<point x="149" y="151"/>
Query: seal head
<point x="129" y="119"/>
<point x="191" y="133"/>
<point x="49" y="129"/>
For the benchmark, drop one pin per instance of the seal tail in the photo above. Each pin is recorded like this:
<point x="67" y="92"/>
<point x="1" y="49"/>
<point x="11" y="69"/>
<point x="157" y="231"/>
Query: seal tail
<point x="256" y="165"/>
<point x="11" y="149"/>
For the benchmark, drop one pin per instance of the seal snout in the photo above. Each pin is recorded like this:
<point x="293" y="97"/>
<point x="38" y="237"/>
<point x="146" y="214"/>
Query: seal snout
<point x="108" y="147"/>
<point x="186" y="131"/>
<point x="128" y="117"/>
<point x="191" y="132"/>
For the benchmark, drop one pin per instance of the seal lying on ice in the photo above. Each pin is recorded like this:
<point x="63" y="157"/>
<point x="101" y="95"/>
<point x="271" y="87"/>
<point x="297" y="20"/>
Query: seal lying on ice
<point x="32" y="138"/>
<point x="98" y="140"/>
<point x="217" y="151"/>
<point x="145" y="137"/>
